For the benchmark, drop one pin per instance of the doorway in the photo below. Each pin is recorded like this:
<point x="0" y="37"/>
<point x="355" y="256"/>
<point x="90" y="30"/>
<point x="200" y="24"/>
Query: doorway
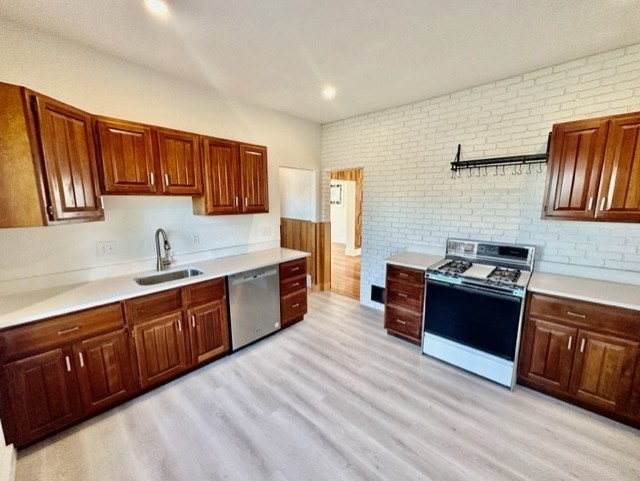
<point x="346" y="231"/>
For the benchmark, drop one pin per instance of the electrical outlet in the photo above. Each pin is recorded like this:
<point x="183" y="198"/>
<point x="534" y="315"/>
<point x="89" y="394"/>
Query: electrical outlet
<point x="265" y="231"/>
<point x="106" y="248"/>
<point x="195" y="238"/>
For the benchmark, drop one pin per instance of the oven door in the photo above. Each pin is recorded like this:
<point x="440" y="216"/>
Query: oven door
<point x="484" y="320"/>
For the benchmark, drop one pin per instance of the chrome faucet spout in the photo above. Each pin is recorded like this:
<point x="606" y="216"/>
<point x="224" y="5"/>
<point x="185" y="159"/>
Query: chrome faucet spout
<point x="162" y="262"/>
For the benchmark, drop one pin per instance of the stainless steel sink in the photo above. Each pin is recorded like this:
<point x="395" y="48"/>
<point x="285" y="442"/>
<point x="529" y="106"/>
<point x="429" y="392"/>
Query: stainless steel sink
<point x="168" y="276"/>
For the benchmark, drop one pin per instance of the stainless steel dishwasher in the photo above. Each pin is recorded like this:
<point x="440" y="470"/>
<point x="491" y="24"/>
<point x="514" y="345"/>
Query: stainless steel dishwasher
<point x="254" y="305"/>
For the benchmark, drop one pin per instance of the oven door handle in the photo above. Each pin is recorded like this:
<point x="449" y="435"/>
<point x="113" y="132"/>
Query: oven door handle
<point x="475" y="290"/>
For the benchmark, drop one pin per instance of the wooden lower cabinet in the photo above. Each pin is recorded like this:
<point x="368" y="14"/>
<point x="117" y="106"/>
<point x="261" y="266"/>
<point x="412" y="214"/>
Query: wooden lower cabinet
<point x="208" y="331"/>
<point x="584" y="353"/>
<point x="603" y="370"/>
<point x="547" y="356"/>
<point x="293" y="291"/>
<point x="43" y="394"/>
<point x="404" y="303"/>
<point x="104" y="370"/>
<point x="160" y="348"/>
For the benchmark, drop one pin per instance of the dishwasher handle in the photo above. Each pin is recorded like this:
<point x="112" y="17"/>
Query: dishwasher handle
<point x="252" y="275"/>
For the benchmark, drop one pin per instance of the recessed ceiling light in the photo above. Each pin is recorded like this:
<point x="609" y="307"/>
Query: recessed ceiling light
<point x="329" y="92"/>
<point x="157" y="7"/>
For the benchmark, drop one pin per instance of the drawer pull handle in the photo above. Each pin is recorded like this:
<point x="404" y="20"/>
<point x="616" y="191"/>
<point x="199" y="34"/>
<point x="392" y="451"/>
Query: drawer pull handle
<point x="582" y="345"/>
<point x="62" y="332"/>
<point x="576" y="314"/>
<point x="402" y="294"/>
<point x="570" y="342"/>
<point x="179" y="325"/>
<point x="590" y="206"/>
<point x="295" y="285"/>
<point x="166" y="180"/>
<point x="400" y="321"/>
<point x="402" y="274"/>
<point x="246" y="201"/>
<point x="81" y="359"/>
<point x="193" y="320"/>
<point x="602" y="203"/>
<point x="295" y="305"/>
<point x="295" y="269"/>
<point x="236" y="201"/>
<point x="68" y="363"/>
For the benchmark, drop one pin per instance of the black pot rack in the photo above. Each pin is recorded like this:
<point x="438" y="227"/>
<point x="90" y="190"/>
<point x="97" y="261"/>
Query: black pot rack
<point x="517" y="161"/>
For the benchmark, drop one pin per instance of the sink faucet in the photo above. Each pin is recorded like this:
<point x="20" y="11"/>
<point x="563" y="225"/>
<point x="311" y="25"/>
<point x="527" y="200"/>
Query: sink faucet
<point x="162" y="262"/>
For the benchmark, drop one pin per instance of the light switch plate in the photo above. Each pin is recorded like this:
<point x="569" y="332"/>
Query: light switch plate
<point x="106" y="248"/>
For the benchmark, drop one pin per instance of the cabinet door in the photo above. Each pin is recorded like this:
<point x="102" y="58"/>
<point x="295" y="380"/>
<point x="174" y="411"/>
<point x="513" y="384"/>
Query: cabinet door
<point x="160" y="348"/>
<point x="603" y="370"/>
<point x="126" y="154"/>
<point x="575" y="162"/>
<point x="104" y="371"/>
<point x="69" y="158"/>
<point x="43" y="393"/>
<point x="179" y="162"/>
<point x="547" y="354"/>
<point x="221" y="172"/>
<point x="253" y="167"/>
<point x="619" y="196"/>
<point x="208" y="331"/>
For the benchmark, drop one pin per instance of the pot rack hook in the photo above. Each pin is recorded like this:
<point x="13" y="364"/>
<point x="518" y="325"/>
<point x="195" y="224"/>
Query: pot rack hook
<point x="459" y="174"/>
<point x="528" y="168"/>
<point x="539" y="169"/>
<point x="520" y="169"/>
<point x="515" y="171"/>
<point x="502" y="173"/>
<point x="478" y="173"/>
<point x="496" y="172"/>
<point x="485" y="171"/>
<point x="470" y="173"/>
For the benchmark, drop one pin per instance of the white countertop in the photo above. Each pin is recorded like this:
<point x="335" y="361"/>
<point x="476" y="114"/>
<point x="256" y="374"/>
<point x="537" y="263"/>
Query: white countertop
<point x="35" y="305"/>
<point x="413" y="259"/>
<point x="590" y="290"/>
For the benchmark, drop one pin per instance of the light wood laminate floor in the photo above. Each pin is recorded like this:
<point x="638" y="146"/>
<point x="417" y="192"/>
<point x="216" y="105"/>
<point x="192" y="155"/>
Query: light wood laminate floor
<point x="345" y="272"/>
<point x="335" y="398"/>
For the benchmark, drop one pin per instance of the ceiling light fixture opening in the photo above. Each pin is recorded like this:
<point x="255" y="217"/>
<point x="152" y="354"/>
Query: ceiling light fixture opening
<point x="329" y="92"/>
<point x="159" y="8"/>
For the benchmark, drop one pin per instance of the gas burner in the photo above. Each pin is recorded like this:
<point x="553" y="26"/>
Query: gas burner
<point x="503" y="276"/>
<point x="454" y="268"/>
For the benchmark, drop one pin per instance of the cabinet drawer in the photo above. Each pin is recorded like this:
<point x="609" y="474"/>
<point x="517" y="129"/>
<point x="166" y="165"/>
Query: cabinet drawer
<point x="293" y="284"/>
<point x="405" y="295"/>
<point x="403" y="320"/>
<point x="586" y="314"/>
<point x="204" y="292"/>
<point x="293" y="306"/>
<point x="293" y="268"/>
<point x="405" y="274"/>
<point x="154" y="305"/>
<point x="56" y="331"/>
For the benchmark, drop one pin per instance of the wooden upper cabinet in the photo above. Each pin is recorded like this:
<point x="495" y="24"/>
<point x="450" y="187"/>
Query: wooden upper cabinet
<point x="575" y="161"/>
<point x="48" y="170"/>
<point x="127" y="160"/>
<point x="619" y="194"/>
<point x="69" y="158"/>
<point x="254" y="181"/>
<point x="179" y="156"/>
<point x="220" y="168"/>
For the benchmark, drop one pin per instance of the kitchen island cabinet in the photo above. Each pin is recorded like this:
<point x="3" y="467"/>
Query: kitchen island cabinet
<point x="585" y="353"/>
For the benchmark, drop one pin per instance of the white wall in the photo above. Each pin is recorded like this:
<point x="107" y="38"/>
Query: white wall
<point x="411" y="201"/>
<point x="103" y="84"/>
<point x="298" y="193"/>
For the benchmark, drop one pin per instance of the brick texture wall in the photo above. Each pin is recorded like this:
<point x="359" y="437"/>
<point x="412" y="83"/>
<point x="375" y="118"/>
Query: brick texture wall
<point x="410" y="198"/>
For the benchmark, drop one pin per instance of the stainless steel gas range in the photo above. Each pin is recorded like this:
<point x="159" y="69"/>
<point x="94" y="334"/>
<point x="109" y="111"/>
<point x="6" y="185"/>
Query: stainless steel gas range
<point x="474" y="307"/>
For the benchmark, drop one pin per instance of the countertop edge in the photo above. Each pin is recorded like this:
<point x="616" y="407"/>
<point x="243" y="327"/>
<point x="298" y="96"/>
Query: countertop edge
<point x="7" y="322"/>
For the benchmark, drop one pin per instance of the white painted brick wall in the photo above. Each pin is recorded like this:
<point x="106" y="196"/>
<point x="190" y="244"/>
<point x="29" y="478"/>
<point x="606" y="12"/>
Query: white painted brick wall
<point x="411" y="199"/>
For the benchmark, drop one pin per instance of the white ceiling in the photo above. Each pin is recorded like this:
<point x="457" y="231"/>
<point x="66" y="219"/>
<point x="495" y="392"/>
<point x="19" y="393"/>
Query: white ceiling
<point x="377" y="53"/>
